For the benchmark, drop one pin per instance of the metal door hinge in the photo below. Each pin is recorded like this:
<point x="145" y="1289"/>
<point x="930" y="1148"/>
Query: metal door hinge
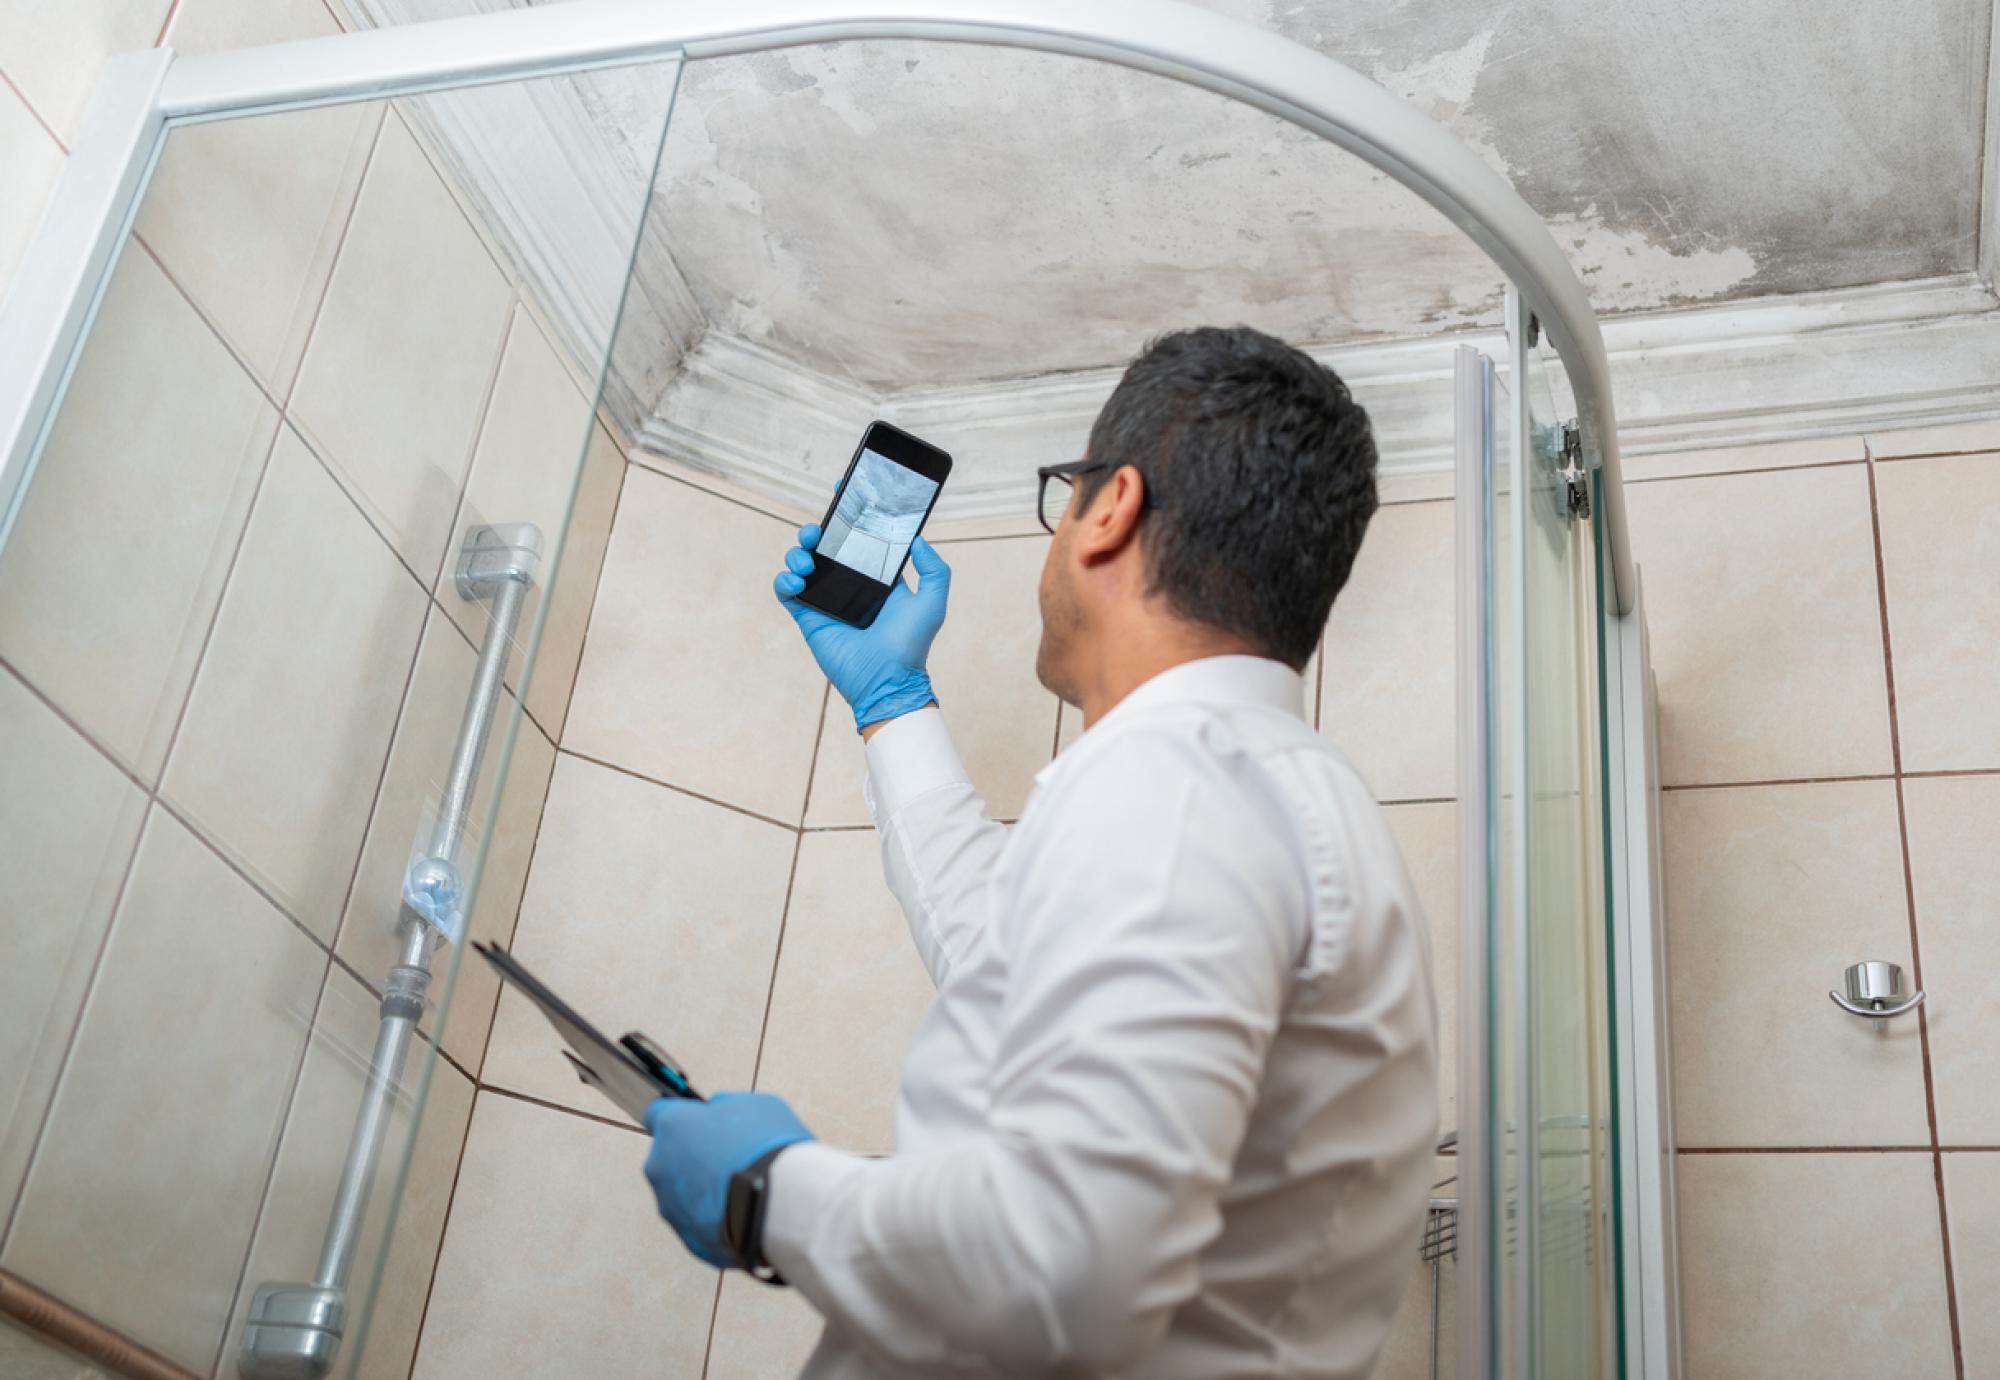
<point x="1575" y="477"/>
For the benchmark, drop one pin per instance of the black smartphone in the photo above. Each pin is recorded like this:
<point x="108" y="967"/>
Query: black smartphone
<point x="883" y="501"/>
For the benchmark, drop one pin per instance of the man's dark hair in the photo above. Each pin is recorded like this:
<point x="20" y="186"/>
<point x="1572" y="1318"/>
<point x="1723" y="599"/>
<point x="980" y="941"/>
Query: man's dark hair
<point x="1263" y="470"/>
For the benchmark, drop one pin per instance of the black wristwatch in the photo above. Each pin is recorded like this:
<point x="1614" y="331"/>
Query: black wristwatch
<point x="743" y="1217"/>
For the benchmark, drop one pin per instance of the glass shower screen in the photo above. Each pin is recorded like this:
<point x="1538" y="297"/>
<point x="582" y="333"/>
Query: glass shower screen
<point x="311" y="475"/>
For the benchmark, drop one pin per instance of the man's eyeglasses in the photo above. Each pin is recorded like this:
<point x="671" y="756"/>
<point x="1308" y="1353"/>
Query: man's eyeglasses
<point x="1052" y="503"/>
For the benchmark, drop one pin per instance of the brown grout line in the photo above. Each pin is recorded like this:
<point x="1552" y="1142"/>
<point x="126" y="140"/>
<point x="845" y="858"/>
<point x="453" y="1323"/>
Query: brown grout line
<point x="444" y="1226"/>
<point x="1780" y="781"/>
<point x="992" y="536"/>
<point x="181" y="290"/>
<point x="486" y="400"/>
<point x="167" y="23"/>
<point x="33" y="113"/>
<point x="1055" y="739"/>
<point x="812" y="766"/>
<point x="75" y="1029"/>
<point x="777" y="952"/>
<point x="534" y="1101"/>
<point x="633" y="457"/>
<point x="1968" y="1149"/>
<point x="714" y="1307"/>
<point x="596" y="592"/>
<point x="1973" y="454"/>
<point x="1946" y="775"/>
<point x="1749" y="469"/>
<point x="90" y="740"/>
<point x="1802" y="1150"/>
<point x="669" y="786"/>
<point x="285" y="1132"/>
<point x="1910" y="912"/>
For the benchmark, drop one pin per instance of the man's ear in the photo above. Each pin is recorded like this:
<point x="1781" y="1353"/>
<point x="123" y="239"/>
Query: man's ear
<point x="1111" y="522"/>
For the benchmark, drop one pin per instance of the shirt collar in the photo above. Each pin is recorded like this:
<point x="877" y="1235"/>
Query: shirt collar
<point x="1253" y="680"/>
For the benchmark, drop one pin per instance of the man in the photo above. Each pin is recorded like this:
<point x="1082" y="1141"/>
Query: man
<point x="1172" y="1111"/>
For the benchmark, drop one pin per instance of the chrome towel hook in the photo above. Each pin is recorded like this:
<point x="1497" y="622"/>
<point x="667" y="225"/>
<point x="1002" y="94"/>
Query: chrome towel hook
<point x="1873" y="991"/>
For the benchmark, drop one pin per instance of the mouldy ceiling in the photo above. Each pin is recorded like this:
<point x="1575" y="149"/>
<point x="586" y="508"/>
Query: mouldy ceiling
<point x="902" y="214"/>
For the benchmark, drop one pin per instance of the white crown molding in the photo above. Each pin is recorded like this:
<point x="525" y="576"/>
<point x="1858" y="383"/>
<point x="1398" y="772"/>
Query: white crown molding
<point x="1820" y="364"/>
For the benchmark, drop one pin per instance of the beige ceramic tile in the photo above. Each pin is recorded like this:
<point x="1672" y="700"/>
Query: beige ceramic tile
<point x="983" y="668"/>
<point x="575" y="586"/>
<point x="1387" y="693"/>
<point x="68" y="823"/>
<point x="310" y="1157"/>
<point x="653" y="911"/>
<point x="291" y="718"/>
<point x="116" y="562"/>
<point x="1935" y="440"/>
<point x="1427" y="836"/>
<point x="760" y="1333"/>
<point x="190" y="1044"/>
<point x="247" y="213"/>
<point x="1823" y="450"/>
<point x="1956" y="873"/>
<point x="1766" y="625"/>
<point x="1771" y="892"/>
<point x="555" y="1260"/>
<point x="54" y="49"/>
<point x="33" y="160"/>
<point x="847" y="966"/>
<point x="692" y="672"/>
<point x="530" y="445"/>
<point x="1811" y="1265"/>
<point x="26" y="1356"/>
<point x="399" y="365"/>
<point x="400" y="828"/>
<point x="1940" y="552"/>
<point x="1972" y="1196"/>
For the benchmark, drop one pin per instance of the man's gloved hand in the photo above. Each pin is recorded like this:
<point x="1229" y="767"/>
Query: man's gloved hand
<point x="878" y="670"/>
<point x="698" y="1146"/>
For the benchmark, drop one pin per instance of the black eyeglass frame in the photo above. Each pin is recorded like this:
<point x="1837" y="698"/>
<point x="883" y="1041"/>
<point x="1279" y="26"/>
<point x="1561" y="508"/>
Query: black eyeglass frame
<point x="1067" y="472"/>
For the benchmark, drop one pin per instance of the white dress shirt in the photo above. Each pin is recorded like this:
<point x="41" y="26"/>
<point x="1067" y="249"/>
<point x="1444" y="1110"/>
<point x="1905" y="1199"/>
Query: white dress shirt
<point x="1172" y="1111"/>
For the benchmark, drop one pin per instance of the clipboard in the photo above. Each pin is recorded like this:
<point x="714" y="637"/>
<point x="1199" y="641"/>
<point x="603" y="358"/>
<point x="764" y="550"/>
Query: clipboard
<point x="633" y="1073"/>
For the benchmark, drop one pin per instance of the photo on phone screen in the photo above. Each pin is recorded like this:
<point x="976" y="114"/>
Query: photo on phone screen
<point x="890" y="488"/>
<point x="877" y="516"/>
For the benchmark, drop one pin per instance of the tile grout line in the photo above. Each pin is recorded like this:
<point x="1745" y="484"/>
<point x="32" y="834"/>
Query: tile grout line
<point x="597" y="584"/>
<point x="632" y="457"/>
<point x="1910" y="913"/>
<point x="153" y="790"/>
<point x="277" y="1153"/>
<point x="1802" y="1150"/>
<point x="487" y="397"/>
<point x="770" y="990"/>
<point x="576" y="1112"/>
<point x="20" y="1192"/>
<point x="33" y="113"/>
<point x="167" y="23"/>
<point x="444" y="1226"/>
<point x="670" y="786"/>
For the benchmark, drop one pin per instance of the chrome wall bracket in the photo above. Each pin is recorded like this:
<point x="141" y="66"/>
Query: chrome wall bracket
<point x="492" y="556"/>
<point x="1575" y="474"/>
<point x="1875" y="991"/>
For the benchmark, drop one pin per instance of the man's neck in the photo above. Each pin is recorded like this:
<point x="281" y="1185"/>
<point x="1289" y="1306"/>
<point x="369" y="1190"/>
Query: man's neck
<point x="1140" y="658"/>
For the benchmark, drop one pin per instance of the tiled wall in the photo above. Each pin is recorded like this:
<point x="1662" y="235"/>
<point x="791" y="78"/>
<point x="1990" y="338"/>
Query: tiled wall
<point x="1826" y="631"/>
<point x="706" y="872"/>
<point x="232" y="665"/>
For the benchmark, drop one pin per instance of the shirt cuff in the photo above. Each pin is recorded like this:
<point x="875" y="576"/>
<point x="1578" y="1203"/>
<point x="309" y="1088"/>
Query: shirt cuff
<point x="801" y="1180"/>
<point x="910" y="757"/>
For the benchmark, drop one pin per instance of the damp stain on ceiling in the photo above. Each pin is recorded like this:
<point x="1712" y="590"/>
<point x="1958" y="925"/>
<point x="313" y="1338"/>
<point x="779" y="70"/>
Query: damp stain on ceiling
<point x="903" y="214"/>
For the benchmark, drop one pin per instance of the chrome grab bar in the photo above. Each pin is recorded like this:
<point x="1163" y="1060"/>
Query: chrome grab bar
<point x="293" y="1330"/>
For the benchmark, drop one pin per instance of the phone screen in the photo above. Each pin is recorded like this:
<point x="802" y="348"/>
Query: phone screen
<point x="877" y="517"/>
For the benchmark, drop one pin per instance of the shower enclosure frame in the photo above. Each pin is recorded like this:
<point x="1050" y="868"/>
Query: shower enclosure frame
<point x="141" y="96"/>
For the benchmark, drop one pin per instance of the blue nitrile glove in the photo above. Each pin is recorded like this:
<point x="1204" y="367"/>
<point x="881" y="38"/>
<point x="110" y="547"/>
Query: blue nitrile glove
<point x="698" y="1146"/>
<point x="878" y="670"/>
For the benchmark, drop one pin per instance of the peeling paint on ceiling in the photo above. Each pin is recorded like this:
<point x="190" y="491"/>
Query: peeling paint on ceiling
<point x="904" y="214"/>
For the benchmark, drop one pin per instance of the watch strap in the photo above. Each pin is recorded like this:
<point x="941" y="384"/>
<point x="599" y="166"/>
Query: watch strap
<point x="749" y="1203"/>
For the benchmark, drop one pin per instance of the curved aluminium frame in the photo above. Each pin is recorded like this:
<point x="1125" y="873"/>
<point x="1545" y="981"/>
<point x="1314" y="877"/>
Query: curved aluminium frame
<point x="55" y="293"/>
<point x="1165" y="37"/>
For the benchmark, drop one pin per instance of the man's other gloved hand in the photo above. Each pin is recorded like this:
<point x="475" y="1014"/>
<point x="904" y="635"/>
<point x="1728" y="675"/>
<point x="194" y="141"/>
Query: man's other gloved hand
<point x="698" y="1146"/>
<point x="878" y="670"/>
